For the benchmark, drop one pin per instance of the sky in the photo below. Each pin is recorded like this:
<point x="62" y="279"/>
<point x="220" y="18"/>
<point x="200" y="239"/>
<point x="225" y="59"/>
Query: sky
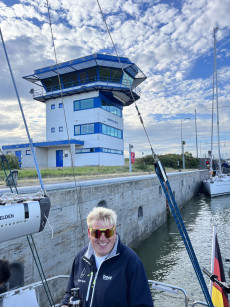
<point x="170" y="41"/>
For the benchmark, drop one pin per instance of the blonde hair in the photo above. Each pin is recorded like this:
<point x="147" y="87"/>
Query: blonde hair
<point x="105" y="215"/>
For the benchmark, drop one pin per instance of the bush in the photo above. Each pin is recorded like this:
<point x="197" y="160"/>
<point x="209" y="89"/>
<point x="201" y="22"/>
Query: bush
<point x="9" y="161"/>
<point x="171" y="160"/>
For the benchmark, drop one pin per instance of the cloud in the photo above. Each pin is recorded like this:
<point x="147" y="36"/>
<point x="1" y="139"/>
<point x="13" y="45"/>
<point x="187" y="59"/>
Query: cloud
<point x="170" y="42"/>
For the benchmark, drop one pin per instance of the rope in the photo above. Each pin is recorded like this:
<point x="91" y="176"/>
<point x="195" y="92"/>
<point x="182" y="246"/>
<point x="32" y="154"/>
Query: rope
<point x="169" y="195"/>
<point x="67" y="130"/>
<point x="19" y="198"/>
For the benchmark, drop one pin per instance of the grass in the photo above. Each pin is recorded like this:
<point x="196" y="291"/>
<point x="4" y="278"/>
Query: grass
<point x="27" y="174"/>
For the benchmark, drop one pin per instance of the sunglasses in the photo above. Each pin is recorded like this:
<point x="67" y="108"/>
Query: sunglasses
<point x="96" y="233"/>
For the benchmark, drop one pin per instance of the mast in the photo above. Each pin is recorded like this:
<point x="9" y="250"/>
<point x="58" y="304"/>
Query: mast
<point x="213" y="96"/>
<point x="217" y="104"/>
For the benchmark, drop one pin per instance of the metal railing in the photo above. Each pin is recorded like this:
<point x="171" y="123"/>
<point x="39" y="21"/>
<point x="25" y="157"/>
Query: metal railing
<point x="30" y="287"/>
<point x="199" y="303"/>
<point x="170" y="289"/>
<point x="83" y="82"/>
<point x="159" y="286"/>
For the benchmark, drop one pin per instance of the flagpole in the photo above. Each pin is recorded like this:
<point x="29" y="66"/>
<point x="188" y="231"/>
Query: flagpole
<point x="212" y="255"/>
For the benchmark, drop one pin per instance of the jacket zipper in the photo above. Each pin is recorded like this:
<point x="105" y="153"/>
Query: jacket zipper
<point x="90" y="282"/>
<point x="95" y="279"/>
<point x="94" y="283"/>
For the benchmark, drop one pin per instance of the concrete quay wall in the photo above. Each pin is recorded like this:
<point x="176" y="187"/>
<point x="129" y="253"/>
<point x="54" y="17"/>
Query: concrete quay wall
<point x="139" y="202"/>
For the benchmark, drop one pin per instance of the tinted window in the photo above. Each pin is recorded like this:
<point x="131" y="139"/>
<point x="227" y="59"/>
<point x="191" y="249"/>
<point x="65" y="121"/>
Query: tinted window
<point x="104" y="73"/>
<point x="92" y="74"/>
<point x="86" y="129"/>
<point x="77" y="130"/>
<point x="83" y="104"/>
<point x="87" y="103"/>
<point x="83" y="77"/>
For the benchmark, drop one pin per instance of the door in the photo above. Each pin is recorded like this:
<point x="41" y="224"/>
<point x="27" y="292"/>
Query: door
<point x="59" y="158"/>
<point x="18" y="154"/>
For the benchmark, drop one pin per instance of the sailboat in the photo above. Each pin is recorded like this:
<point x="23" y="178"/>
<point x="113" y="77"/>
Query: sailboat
<point x="220" y="184"/>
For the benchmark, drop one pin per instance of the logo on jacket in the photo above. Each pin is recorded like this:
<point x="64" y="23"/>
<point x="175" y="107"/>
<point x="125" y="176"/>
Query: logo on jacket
<point x="105" y="277"/>
<point x="82" y="273"/>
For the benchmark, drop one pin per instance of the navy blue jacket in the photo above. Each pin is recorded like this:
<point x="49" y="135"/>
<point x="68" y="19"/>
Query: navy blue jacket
<point x="120" y="281"/>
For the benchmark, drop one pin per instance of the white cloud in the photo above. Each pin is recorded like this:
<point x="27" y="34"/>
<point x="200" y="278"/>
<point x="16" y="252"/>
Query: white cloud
<point x="164" y="40"/>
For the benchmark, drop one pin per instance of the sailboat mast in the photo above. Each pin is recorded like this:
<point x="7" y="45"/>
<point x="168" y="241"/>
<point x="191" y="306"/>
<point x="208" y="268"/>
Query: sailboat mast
<point x="213" y="97"/>
<point x="217" y="103"/>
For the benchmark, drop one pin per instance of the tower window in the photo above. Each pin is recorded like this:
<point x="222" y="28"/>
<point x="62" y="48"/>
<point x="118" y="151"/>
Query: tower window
<point x="111" y="131"/>
<point x="84" y="129"/>
<point x="110" y="108"/>
<point x="52" y="106"/>
<point x="110" y="74"/>
<point x="83" y="104"/>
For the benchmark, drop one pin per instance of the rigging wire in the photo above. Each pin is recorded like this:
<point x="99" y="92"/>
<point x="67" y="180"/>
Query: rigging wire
<point x="138" y="112"/>
<point x="168" y="193"/>
<point x="23" y="116"/>
<point x="78" y="191"/>
<point x="32" y="245"/>
<point x="41" y="272"/>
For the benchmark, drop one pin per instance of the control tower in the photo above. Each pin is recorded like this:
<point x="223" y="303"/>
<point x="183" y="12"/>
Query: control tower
<point x="84" y="114"/>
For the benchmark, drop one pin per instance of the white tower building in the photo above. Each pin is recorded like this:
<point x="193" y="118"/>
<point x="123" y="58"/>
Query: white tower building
<point x="84" y="111"/>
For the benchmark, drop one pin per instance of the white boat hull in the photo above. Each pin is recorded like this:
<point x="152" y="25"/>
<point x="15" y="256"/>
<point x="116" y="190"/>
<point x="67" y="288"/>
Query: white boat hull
<point x="217" y="186"/>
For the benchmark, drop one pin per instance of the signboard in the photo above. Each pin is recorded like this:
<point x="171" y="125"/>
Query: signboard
<point x="132" y="157"/>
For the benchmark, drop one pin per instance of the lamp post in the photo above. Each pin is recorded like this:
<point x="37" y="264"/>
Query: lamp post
<point x="183" y="142"/>
<point x="130" y="164"/>
<point x="196" y="136"/>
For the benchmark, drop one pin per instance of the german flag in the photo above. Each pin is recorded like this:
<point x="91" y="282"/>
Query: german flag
<point x="219" y="296"/>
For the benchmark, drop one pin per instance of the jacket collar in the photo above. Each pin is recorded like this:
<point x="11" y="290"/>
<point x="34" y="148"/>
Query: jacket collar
<point x="113" y="252"/>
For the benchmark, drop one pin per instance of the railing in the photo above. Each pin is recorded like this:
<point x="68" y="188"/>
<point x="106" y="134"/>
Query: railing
<point x="33" y="286"/>
<point x="83" y="82"/>
<point x="153" y="284"/>
<point x="168" y="288"/>
<point x="199" y="303"/>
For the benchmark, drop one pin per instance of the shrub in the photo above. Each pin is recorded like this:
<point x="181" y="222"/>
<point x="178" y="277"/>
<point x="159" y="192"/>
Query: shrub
<point x="171" y="160"/>
<point x="9" y="161"/>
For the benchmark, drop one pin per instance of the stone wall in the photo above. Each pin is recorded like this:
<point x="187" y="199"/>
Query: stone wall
<point x="138" y="201"/>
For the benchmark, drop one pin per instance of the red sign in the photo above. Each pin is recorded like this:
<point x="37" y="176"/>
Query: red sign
<point x="132" y="157"/>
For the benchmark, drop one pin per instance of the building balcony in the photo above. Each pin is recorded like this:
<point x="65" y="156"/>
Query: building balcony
<point x="122" y="89"/>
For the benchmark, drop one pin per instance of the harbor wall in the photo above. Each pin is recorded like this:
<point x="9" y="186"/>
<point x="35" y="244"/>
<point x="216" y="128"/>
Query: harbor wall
<point x="139" y="202"/>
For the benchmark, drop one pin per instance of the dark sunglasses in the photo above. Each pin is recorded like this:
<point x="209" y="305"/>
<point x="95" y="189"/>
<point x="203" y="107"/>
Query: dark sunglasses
<point x="96" y="233"/>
